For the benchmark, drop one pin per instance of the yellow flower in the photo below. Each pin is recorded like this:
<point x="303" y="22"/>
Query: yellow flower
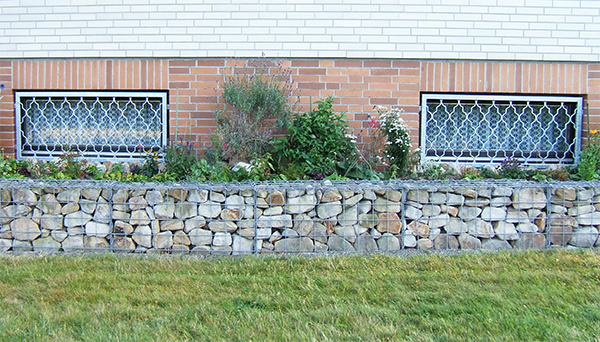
<point x="594" y="131"/>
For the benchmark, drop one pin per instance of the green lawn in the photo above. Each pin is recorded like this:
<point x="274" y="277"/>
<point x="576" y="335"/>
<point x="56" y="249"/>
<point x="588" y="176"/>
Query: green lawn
<point x="520" y="296"/>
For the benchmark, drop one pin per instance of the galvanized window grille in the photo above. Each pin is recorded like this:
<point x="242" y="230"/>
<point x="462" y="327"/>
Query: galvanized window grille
<point x="99" y="125"/>
<point x="487" y="129"/>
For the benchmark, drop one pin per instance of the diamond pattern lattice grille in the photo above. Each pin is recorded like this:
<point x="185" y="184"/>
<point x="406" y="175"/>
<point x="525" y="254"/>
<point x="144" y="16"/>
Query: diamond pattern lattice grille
<point x="487" y="130"/>
<point x="99" y="126"/>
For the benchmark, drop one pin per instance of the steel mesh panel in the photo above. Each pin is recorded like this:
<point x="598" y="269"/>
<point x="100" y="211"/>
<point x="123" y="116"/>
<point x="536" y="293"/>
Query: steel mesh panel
<point x="99" y="126"/>
<point x="487" y="130"/>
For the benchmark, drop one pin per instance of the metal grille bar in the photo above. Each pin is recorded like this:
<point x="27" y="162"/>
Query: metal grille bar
<point x="98" y="125"/>
<point x="484" y="129"/>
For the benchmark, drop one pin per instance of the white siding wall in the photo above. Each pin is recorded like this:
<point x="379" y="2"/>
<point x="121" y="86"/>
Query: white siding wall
<point x="567" y="30"/>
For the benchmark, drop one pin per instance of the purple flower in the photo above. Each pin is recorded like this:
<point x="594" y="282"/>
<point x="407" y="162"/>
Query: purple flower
<point x="2" y="86"/>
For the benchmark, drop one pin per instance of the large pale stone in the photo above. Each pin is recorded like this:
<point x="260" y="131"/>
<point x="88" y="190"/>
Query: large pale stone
<point x="220" y="226"/>
<point x="278" y="210"/>
<point x="181" y="238"/>
<point x="222" y="239"/>
<point x="560" y="235"/>
<point x="456" y="200"/>
<point x="51" y="222"/>
<point x="209" y="209"/>
<point x="331" y="196"/>
<point x="199" y="237"/>
<point x="166" y="210"/>
<point x="365" y="244"/>
<point x="120" y="196"/>
<point x="123" y="244"/>
<point x="163" y="240"/>
<point x="526" y="198"/>
<point x="197" y="196"/>
<point x="277" y="221"/>
<point x="78" y="218"/>
<point x="438" y="221"/>
<point x="382" y="205"/>
<point x="349" y="216"/>
<point x="178" y="194"/>
<point x="389" y="223"/>
<point x="71" y="208"/>
<point x="368" y="220"/>
<point x="431" y="210"/>
<point x="534" y="240"/>
<point x="122" y="228"/>
<point x="71" y="195"/>
<point x="303" y="224"/>
<point x="102" y="213"/>
<point x="469" y="213"/>
<point x="47" y="244"/>
<point x="456" y="227"/>
<point x="584" y="195"/>
<point x="419" y="196"/>
<point x="495" y="244"/>
<point x="438" y="198"/>
<point x="11" y="211"/>
<point x="500" y="201"/>
<point x="88" y="206"/>
<point x="527" y="227"/>
<point x="25" y="229"/>
<point x="185" y="210"/>
<point x="327" y="210"/>
<point x="49" y="205"/>
<point x="73" y="243"/>
<point x="137" y="203"/>
<point x="353" y="199"/>
<point x="91" y="194"/>
<point x="217" y="197"/>
<point x="445" y="242"/>
<point x="139" y="217"/>
<point x="59" y="235"/>
<point x="505" y="230"/>
<point x="347" y="232"/>
<point x="232" y="214"/>
<point x="295" y="244"/>
<point x="589" y="219"/>
<point x="493" y="214"/>
<point x="409" y="240"/>
<point x="584" y="237"/>
<point x="412" y="213"/>
<point x="171" y="225"/>
<point x="242" y="245"/>
<point x="339" y="244"/>
<point x="581" y="210"/>
<point x="388" y="243"/>
<point x="235" y="202"/>
<point x="393" y="195"/>
<point x="467" y="241"/>
<point x="516" y="216"/>
<point x="93" y="228"/>
<point x="95" y="242"/>
<point x="424" y="244"/>
<point x="419" y="229"/>
<point x="154" y="197"/>
<point x="193" y="223"/>
<point x="480" y="228"/>
<point x="567" y="194"/>
<point x="143" y="236"/>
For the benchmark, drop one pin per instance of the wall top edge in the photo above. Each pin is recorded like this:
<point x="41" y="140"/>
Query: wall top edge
<point x="431" y="60"/>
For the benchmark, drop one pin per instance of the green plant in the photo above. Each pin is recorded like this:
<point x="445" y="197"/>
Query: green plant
<point x="589" y="159"/>
<point x="150" y="168"/>
<point x="396" y="133"/>
<point x="317" y="141"/>
<point x="179" y="159"/>
<point x="511" y="168"/>
<point x="257" y="101"/>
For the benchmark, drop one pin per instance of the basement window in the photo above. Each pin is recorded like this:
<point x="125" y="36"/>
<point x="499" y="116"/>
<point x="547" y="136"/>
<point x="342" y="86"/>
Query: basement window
<point x="98" y="125"/>
<point x="487" y="129"/>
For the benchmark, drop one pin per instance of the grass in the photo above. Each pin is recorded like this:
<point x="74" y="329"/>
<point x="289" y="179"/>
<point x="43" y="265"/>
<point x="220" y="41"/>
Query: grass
<point x="520" y="296"/>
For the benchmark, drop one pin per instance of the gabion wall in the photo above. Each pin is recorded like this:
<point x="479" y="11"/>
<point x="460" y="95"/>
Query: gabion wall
<point x="303" y="217"/>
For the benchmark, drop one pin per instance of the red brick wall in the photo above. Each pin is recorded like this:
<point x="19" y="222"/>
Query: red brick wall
<point x="357" y="85"/>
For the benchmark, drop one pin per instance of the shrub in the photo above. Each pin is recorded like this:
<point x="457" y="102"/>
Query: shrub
<point x="257" y="101"/>
<point x="589" y="159"/>
<point x="397" y="138"/>
<point x="316" y="141"/>
<point x="179" y="159"/>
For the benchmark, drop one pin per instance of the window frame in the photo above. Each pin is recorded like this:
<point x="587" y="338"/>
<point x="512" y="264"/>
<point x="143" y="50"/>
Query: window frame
<point x="479" y="160"/>
<point x="107" y="152"/>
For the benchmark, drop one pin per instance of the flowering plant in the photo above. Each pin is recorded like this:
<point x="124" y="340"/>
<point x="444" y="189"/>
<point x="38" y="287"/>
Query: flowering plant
<point x="397" y="139"/>
<point x="589" y="159"/>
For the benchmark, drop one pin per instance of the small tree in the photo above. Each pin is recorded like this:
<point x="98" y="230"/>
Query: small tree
<point x="257" y="99"/>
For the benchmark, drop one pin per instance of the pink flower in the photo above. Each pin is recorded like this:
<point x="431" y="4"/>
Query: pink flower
<point x="224" y="144"/>
<point x="373" y="123"/>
